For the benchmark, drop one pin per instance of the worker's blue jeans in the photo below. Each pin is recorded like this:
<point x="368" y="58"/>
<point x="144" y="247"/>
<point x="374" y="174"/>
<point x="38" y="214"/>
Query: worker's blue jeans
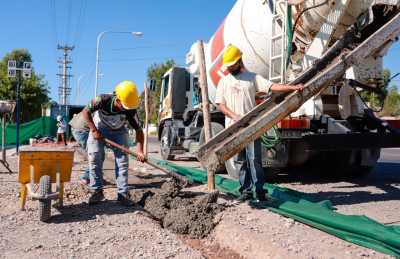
<point x="96" y="151"/>
<point x="248" y="165"/>
<point x="81" y="138"/>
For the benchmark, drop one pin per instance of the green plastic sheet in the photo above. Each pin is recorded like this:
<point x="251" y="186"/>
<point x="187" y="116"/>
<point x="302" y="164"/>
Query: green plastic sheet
<point x="46" y="125"/>
<point x="305" y="208"/>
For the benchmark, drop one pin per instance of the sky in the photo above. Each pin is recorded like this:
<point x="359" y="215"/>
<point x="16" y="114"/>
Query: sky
<point x="169" y="29"/>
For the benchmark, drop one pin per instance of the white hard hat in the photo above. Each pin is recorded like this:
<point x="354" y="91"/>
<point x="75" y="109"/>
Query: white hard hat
<point x="59" y="118"/>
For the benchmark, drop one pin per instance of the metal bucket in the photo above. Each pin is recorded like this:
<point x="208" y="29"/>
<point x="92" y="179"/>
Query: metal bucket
<point x="32" y="142"/>
<point x="6" y="106"/>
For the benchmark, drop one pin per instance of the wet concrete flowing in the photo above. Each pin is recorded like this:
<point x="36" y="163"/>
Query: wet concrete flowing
<point x="183" y="212"/>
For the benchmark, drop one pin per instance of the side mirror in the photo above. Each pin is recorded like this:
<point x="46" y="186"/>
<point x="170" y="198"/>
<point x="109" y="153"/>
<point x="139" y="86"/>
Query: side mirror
<point x="152" y="85"/>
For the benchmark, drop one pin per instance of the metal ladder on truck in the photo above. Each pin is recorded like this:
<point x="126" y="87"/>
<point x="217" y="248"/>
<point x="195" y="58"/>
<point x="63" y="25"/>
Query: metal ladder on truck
<point x="279" y="21"/>
<point x="346" y="52"/>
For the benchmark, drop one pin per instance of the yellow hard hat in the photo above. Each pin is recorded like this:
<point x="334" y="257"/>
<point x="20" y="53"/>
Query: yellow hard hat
<point x="231" y="55"/>
<point x="127" y="93"/>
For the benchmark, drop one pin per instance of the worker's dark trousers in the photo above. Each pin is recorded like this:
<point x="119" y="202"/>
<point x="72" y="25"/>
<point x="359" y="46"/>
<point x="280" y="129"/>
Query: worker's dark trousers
<point x="248" y="165"/>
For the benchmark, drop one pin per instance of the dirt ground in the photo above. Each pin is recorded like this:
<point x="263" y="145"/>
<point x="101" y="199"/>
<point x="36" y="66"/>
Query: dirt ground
<point x="109" y="230"/>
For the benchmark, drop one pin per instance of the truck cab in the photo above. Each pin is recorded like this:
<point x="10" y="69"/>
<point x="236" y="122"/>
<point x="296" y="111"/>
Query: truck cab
<point x="181" y="122"/>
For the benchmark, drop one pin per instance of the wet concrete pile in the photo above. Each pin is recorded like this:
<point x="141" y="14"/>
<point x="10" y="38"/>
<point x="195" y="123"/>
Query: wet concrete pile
<point x="183" y="212"/>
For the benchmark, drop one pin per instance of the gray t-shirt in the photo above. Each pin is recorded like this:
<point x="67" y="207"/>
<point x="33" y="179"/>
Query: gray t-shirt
<point x="79" y="123"/>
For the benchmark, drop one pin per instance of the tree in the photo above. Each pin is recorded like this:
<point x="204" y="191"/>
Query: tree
<point x="369" y="96"/>
<point x="50" y="102"/>
<point x="392" y="102"/>
<point x="153" y="108"/>
<point x="34" y="91"/>
<point x="155" y="72"/>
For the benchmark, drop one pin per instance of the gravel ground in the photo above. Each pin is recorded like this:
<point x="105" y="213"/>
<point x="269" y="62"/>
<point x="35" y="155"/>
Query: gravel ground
<point x="253" y="232"/>
<point x="109" y="230"/>
<point x="79" y="230"/>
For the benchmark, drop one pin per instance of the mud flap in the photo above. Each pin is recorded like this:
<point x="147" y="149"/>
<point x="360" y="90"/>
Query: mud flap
<point x="276" y="156"/>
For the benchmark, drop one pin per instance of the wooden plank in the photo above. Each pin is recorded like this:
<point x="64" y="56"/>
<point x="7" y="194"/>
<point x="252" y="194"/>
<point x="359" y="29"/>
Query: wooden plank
<point x="146" y="122"/>
<point x="206" y="108"/>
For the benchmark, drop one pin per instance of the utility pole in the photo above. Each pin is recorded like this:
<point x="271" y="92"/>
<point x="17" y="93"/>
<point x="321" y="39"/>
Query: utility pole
<point x="64" y="74"/>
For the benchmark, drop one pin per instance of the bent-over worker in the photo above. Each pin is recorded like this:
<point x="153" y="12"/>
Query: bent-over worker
<point x="236" y="97"/>
<point x="113" y="110"/>
<point x="80" y="131"/>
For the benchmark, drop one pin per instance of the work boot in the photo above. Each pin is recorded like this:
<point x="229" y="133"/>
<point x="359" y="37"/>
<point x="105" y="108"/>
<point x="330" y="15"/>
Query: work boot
<point x="242" y="198"/>
<point x="96" y="197"/>
<point x="264" y="200"/>
<point x="125" y="199"/>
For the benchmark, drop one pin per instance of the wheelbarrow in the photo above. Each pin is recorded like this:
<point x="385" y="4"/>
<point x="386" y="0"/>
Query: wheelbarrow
<point x="43" y="167"/>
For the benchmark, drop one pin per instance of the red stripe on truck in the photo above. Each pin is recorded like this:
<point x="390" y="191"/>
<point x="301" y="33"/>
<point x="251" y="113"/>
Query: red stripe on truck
<point x="294" y="124"/>
<point x="394" y="123"/>
<point x="218" y="42"/>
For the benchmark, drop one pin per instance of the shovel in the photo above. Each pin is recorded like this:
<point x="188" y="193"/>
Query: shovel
<point x="176" y="176"/>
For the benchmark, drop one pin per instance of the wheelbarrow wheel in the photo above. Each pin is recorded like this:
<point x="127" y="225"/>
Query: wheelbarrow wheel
<point x="44" y="204"/>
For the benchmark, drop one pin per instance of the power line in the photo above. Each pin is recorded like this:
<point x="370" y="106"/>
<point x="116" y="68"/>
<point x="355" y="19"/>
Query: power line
<point x="54" y="32"/>
<point x="69" y="20"/>
<point x="87" y="72"/>
<point x="79" y="29"/>
<point x="393" y="49"/>
<point x="148" y="47"/>
<point x="90" y="79"/>
<point x="111" y="60"/>
<point x="79" y="32"/>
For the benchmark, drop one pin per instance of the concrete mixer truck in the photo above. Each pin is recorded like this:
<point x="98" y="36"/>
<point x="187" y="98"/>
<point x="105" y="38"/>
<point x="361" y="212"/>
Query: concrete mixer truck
<point x="289" y="41"/>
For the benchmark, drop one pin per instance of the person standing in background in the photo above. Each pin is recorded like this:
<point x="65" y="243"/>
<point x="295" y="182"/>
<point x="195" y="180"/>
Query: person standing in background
<point x="61" y="132"/>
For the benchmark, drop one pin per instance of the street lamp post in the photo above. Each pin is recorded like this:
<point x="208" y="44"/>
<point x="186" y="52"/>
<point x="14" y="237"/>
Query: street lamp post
<point x="79" y="81"/>
<point x="97" y="59"/>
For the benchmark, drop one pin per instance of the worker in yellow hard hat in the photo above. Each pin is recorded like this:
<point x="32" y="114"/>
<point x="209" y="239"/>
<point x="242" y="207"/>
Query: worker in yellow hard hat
<point x="235" y="98"/>
<point x="111" y="111"/>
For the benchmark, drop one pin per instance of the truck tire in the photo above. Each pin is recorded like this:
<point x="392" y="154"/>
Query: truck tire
<point x="271" y="172"/>
<point x="337" y="164"/>
<point x="165" y="150"/>
<point x="230" y="168"/>
<point x="44" y="205"/>
<point x="215" y="129"/>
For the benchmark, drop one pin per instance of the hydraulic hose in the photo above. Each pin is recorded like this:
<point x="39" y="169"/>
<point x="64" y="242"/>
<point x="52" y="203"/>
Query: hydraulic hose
<point x="266" y="142"/>
<point x="305" y="10"/>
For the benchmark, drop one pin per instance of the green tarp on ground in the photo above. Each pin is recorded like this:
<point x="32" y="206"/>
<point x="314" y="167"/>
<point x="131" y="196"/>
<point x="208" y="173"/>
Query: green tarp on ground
<point x="46" y="125"/>
<point x="359" y="230"/>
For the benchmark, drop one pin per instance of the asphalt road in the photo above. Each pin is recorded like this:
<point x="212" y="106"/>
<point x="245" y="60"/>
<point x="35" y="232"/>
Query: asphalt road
<point x="389" y="160"/>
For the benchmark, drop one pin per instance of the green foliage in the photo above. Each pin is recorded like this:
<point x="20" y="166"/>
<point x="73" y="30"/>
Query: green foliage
<point x="392" y="102"/>
<point x="155" y="71"/>
<point x="369" y="96"/>
<point x="34" y="91"/>
<point x="50" y="102"/>
<point x="153" y="108"/>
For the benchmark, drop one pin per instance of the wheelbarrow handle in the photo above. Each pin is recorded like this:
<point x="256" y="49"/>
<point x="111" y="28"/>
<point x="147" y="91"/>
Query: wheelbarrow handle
<point x="178" y="177"/>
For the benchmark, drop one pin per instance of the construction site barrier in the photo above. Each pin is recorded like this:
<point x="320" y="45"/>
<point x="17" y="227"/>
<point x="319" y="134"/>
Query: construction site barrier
<point x="46" y="125"/>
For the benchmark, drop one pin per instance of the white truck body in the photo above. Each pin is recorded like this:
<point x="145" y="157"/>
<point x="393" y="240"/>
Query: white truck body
<point x="248" y="26"/>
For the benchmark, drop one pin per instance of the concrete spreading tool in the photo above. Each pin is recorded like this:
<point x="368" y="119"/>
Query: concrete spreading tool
<point x="178" y="177"/>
